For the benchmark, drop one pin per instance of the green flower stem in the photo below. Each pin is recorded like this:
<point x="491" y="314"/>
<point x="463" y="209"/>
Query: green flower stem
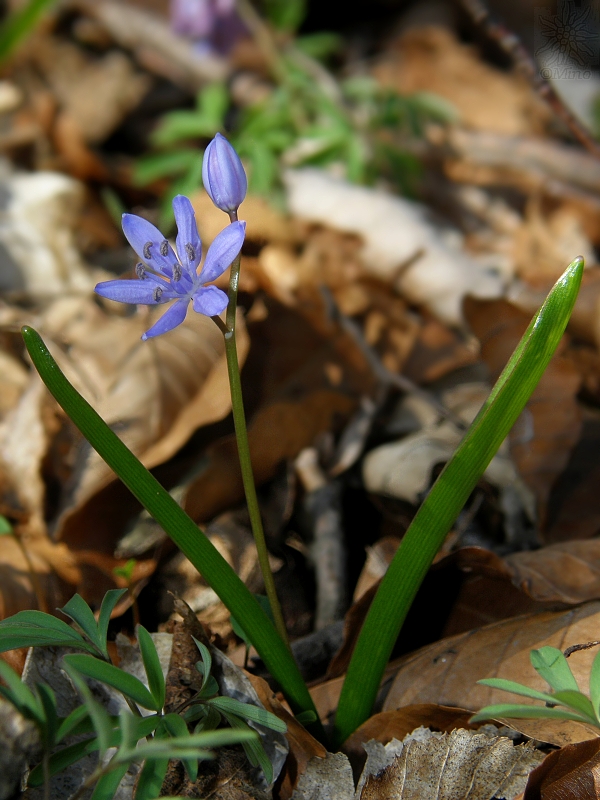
<point x="241" y="435"/>
<point x="180" y="528"/>
<point x="445" y="500"/>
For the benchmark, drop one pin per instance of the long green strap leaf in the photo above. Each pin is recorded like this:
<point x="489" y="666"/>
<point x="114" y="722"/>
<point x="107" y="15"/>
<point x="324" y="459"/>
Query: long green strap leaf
<point x="182" y="530"/>
<point x="446" y="499"/>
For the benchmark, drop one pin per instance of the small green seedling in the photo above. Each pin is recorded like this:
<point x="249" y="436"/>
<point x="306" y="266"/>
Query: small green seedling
<point x="566" y="700"/>
<point x="153" y="739"/>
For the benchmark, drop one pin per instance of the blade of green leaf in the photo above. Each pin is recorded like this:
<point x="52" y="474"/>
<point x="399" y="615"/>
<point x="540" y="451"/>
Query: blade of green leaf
<point x="38" y="629"/>
<point x="151" y="778"/>
<point x="248" y="711"/>
<point x="48" y="702"/>
<point x="525" y="712"/>
<point x="578" y="702"/>
<point x="20" y="23"/>
<point x="79" y="611"/>
<point x="595" y="685"/>
<point x="517" y="688"/>
<point x="122" y="681"/>
<point x="154" y="673"/>
<point x="554" y="668"/>
<point x="196" y="745"/>
<point x="181" y="529"/>
<point x="206" y="661"/>
<point x="109" y="601"/>
<point x="253" y="748"/>
<point x="20" y="695"/>
<point x="445" y="500"/>
<point x="103" y="724"/>
<point x="176" y="728"/>
<point x="74" y="723"/>
<point x="108" y="784"/>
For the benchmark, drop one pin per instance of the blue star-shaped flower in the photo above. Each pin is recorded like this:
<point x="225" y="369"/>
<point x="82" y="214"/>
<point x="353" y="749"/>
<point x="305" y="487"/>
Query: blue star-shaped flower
<point x="164" y="276"/>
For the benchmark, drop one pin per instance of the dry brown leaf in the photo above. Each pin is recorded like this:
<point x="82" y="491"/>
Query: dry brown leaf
<point x="277" y="432"/>
<point x="447" y="672"/>
<point x="432" y="59"/>
<point x="550" y="425"/>
<point x="388" y="725"/>
<point x="571" y="773"/>
<point x="465" y="764"/>
<point x="97" y="93"/>
<point x="154" y="394"/>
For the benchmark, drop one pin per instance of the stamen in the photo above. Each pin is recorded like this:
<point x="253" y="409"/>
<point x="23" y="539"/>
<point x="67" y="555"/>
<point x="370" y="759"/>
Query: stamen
<point x="176" y="272"/>
<point x="140" y="270"/>
<point x="164" y="248"/>
<point x="147" y="254"/>
<point x="191" y="252"/>
<point x="157" y="294"/>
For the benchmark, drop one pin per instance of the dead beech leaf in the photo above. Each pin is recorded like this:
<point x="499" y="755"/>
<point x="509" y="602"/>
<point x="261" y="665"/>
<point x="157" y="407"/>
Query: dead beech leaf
<point x="444" y="766"/>
<point x="388" y="725"/>
<point x="153" y="394"/>
<point x="550" y="426"/>
<point x="447" y="672"/>
<point x="431" y="59"/>
<point x="571" y="773"/>
<point x="277" y="432"/>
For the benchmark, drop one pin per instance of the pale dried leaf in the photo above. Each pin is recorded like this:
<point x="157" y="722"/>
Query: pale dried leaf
<point x="441" y="766"/>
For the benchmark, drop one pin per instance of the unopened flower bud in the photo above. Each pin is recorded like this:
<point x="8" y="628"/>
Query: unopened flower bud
<point x="223" y="175"/>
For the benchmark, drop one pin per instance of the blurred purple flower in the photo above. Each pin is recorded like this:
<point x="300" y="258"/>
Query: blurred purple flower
<point x="214" y="22"/>
<point x="164" y="276"/>
<point x="223" y="175"/>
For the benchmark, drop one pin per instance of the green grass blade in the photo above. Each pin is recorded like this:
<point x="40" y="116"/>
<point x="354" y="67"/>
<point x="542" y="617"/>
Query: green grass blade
<point x="20" y="24"/>
<point x="182" y="530"/>
<point x="154" y="673"/>
<point x="595" y="685"/>
<point x="447" y="497"/>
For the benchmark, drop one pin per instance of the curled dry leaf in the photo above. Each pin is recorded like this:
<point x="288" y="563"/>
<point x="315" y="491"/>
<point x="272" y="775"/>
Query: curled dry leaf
<point x="426" y="766"/>
<point x="442" y="766"/>
<point x="571" y="773"/>
<point x="550" y="425"/>
<point x="388" y="725"/>
<point x="447" y="672"/>
<point x="153" y="394"/>
<point x="430" y="58"/>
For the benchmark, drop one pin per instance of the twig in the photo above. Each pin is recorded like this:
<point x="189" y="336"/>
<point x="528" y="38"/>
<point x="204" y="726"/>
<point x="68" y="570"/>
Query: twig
<point x="510" y="43"/>
<point x="384" y="375"/>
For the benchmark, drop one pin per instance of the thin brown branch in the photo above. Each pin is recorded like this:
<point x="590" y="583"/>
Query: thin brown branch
<point x="510" y="43"/>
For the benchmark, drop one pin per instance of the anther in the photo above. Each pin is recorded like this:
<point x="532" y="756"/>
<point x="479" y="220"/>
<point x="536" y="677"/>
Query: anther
<point x="140" y="270"/>
<point x="157" y="294"/>
<point x="164" y="248"/>
<point x="191" y="253"/>
<point x="176" y="272"/>
<point x="147" y="254"/>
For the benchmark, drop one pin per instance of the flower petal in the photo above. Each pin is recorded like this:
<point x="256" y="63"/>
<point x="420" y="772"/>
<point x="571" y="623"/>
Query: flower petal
<point x="147" y="291"/>
<point x="210" y="301"/>
<point x="149" y="243"/>
<point x="172" y="317"/>
<point x="222" y="251"/>
<point x="189" y="246"/>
